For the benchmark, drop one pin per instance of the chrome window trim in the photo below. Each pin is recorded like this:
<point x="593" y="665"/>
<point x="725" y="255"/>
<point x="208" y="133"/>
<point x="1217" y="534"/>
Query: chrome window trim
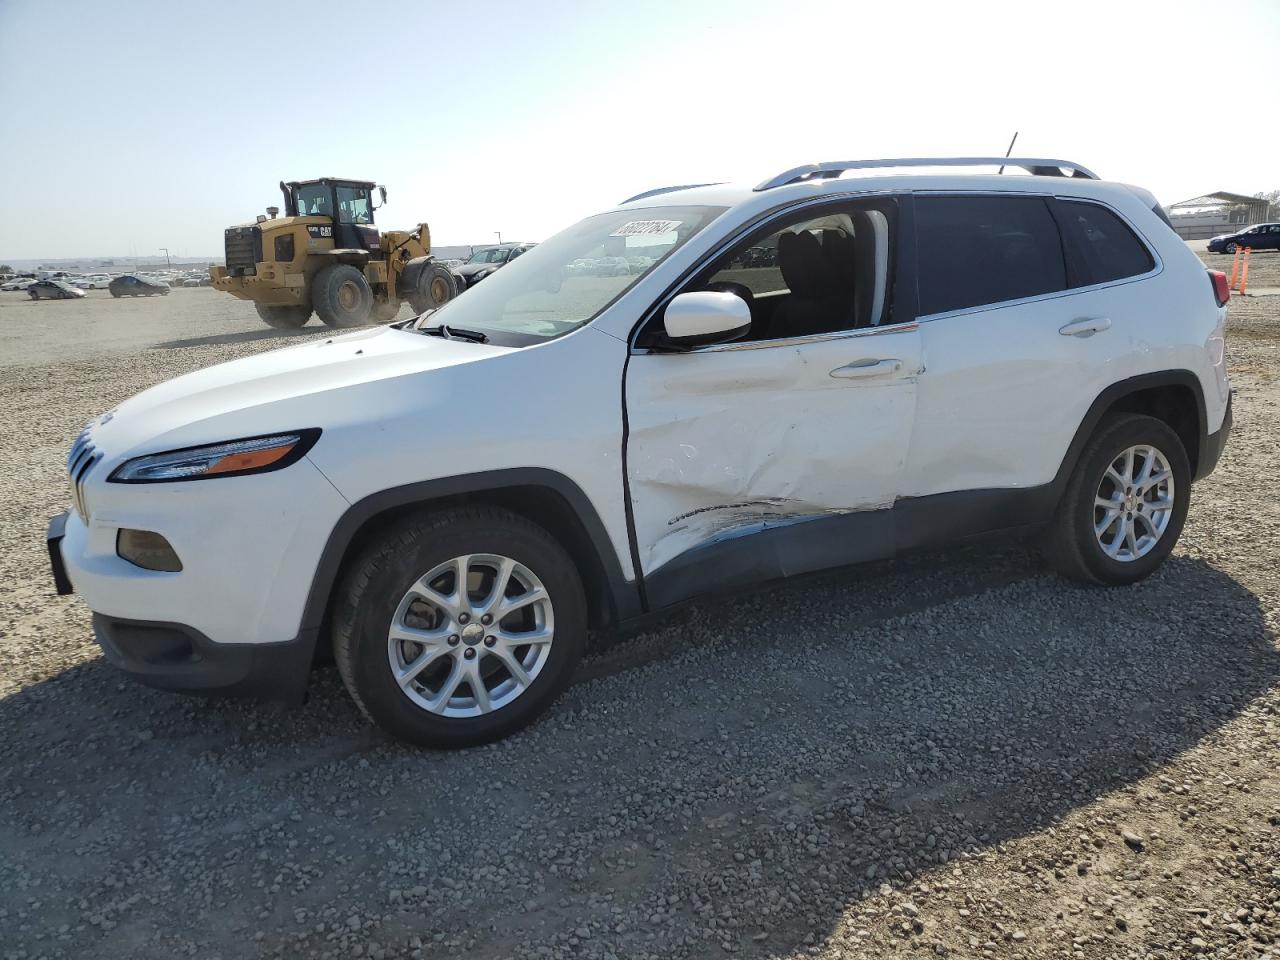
<point x="789" y="342"/>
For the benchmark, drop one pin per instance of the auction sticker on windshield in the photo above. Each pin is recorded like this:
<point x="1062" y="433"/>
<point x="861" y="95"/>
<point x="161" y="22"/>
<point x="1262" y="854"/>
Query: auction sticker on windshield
<point x="645" y="228"/>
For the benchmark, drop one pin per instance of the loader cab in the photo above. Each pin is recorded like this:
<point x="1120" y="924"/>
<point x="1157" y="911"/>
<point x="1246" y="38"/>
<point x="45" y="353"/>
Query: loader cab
<point x="348" y="203"/>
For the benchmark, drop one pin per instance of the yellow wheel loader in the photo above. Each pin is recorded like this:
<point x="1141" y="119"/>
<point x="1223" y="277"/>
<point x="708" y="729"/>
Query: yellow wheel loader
<point x="325" y="255"/>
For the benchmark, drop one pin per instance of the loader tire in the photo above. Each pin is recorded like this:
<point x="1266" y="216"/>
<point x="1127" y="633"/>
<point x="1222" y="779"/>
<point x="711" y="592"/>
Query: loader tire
<point x="342" y="296"/>
<point x="283" y="317"/>
<point x="429" y="286"/>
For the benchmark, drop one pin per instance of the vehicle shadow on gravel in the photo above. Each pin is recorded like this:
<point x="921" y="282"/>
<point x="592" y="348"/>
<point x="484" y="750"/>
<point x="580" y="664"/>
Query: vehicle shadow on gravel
<point x="731" y="781"/>
<point x="249" y="336"/>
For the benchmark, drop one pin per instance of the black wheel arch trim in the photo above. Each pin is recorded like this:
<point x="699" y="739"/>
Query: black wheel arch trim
<point x="623" y="595"/>
<point x="1117" y="392"/>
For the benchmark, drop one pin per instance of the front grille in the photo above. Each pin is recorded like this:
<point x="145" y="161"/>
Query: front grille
<point x="243" y="250"/>
<point x="83" y="458"/>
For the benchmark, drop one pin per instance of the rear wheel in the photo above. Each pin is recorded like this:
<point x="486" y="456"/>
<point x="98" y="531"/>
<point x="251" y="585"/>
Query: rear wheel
<point x="283" y="317"/>
<point x="342" y="296"/>
<point x="1125" y="504"/>
<point x="459" y="627"/>
<point x="431" y="288"/>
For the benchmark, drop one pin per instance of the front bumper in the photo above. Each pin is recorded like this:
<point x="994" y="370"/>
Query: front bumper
<point x="267" y="285"/>
<point x="54" y="533"/>
<point x="175" y="657"/>
<point x="1212" y="445"/>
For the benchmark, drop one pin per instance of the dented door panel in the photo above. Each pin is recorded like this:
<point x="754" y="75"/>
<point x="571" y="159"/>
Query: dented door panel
<point x="730" y="440"/>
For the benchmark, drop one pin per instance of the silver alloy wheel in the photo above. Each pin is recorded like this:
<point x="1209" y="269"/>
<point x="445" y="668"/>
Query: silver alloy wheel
<point x="471" y="635"/>
<point x="1134" y="503"/>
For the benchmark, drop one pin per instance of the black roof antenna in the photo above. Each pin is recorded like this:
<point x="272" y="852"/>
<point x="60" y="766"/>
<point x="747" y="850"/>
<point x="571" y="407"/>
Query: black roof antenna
<point x="1010" y="150"/>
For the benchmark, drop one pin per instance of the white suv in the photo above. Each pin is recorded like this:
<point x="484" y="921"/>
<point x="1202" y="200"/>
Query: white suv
<point x="845" y="362"/>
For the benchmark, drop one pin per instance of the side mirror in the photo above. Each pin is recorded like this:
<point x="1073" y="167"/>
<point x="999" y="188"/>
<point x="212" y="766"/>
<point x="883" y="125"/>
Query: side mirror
<point x="706" y="316"/>
<point x="382" y="192"/>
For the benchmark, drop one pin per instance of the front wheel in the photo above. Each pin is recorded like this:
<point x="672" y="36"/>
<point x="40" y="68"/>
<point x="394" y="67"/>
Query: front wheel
<point x="1229" y="248"/>
<point x="459" y="627"/>
<point x="1124" y="505"/>
<point x="431" y="288"/>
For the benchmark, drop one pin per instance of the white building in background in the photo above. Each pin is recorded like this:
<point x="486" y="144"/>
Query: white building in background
<point x="1215" y="213"/>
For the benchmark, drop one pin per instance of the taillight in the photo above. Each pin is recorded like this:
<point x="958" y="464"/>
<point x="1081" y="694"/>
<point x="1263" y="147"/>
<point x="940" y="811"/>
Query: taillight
<point x="1221" y="291"/>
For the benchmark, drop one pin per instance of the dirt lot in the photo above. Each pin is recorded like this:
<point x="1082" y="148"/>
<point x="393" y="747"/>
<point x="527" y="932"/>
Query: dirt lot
<point x="956" y="755"/>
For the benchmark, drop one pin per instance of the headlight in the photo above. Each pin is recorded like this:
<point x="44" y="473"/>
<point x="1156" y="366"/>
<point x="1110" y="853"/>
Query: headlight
<point x="231" y="459"/>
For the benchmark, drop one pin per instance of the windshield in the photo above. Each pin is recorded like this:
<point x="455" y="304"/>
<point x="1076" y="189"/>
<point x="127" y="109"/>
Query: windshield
<point x="312" y="200"/>
<point x="489" y="255"/>
<point x="563" y="283"/>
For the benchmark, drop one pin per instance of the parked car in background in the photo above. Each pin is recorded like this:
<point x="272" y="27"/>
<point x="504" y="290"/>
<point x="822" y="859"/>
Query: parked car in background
<point x="612" y="267"/>
<point x="17" y="283"/>
<point x="53" y="290"/>
<point x="132" y="285"/>
<point x="760" y="257"/>
<point x="191" y="282"/>
<point x="485" y="261"/>
<point x="98" y="281"/>
<point x="1262" y="236"/>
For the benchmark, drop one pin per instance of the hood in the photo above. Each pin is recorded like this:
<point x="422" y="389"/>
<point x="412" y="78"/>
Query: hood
<point x="287" y="389"/>
<point x="471" y="269"/>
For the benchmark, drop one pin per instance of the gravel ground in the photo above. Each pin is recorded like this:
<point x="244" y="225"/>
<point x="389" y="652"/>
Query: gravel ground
<point x="954" y="755"/>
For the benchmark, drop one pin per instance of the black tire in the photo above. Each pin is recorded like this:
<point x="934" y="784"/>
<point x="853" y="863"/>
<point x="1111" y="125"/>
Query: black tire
<point x="430" y="287"/>
<point x="1071" y="544"/>
<point x="375" y="583"/>
<point x="116" y="294"/>
<point x="1229" y="247"/>
<point x="342" y="296"/>
<point x="283" y="317"/>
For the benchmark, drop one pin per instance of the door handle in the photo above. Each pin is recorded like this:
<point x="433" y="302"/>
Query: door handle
<point x="867" y="368"/>
<point x="1086" y="327"/>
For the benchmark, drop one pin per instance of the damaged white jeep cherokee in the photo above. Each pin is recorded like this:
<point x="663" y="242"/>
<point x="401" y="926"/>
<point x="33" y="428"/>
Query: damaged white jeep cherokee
<point x="702" y="388"/>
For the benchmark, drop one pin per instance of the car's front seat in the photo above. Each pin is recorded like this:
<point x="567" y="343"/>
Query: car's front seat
<point x="821" y="290"/>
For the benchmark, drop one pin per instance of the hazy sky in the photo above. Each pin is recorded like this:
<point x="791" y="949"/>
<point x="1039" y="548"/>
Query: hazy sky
<point x="129" y="126"/>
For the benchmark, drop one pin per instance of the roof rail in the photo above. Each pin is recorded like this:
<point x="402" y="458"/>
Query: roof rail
<point x="833" y="168"/>
<point x="661" y="190"/>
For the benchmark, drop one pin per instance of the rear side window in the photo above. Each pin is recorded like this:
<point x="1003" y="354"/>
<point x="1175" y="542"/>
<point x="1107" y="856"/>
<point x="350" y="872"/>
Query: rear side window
<point x="974" y="251"/>
<point x="1105" y="246"/>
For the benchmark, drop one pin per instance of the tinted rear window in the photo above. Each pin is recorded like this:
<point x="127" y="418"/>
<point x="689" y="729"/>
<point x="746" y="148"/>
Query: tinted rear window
<point x="1108" y="249"/>
<point x="974" y="251"/>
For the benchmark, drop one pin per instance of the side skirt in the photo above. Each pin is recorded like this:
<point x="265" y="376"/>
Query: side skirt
<point x="838" y="540"/>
